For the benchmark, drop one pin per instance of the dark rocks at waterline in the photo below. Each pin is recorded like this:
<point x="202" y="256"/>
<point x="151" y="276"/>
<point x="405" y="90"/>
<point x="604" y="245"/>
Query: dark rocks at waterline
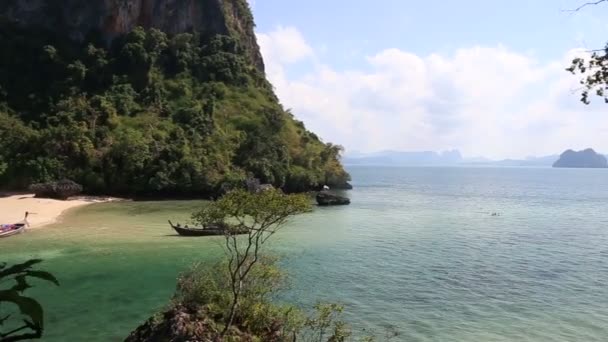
<point x="342" y="186"/>
<point x="62" y="189"/>
<point x="176" y="324"/>
<point x="181" y="323"/>
<point x="325" y="199"/>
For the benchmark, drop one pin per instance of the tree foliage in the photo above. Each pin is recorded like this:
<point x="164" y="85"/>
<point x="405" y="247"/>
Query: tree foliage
<point x="261" y="214"/>
<point x="594" y="73"/>
<point x="593" y="69"/>
<point x="237" y="299"/>
<point x="200" y="307"/>
<point x="13" y="284"/>
<point x="150" y="114"/>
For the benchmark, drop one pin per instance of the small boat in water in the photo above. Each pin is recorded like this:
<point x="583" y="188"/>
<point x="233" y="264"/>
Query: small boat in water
<point x="211" y="230"/>
<point x="7" y="230"/>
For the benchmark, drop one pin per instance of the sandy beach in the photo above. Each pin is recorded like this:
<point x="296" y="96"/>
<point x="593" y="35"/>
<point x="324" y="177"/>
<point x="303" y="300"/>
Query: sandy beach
<point x="43" y="211"/>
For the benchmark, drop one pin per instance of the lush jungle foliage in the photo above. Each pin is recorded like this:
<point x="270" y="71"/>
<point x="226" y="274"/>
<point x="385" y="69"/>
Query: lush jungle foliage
<point x="151" y="114"/>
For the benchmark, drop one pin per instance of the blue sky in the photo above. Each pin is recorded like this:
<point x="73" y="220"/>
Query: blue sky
<point x="485" y="77"/>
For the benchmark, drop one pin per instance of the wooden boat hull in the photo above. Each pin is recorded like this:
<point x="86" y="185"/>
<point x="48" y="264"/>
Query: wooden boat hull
<point x="182" y="231"/>
<point x="20" y="228"/>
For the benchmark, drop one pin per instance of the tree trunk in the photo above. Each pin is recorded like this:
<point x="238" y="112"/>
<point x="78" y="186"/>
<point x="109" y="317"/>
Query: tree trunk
<point x="235" y="303"/>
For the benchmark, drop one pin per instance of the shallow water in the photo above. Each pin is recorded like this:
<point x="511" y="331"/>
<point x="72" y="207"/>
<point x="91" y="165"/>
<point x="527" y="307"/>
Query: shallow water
<point x="417" y="249"/>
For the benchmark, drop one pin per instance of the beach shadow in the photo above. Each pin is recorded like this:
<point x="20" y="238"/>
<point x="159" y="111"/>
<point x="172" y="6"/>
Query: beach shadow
<point x="13" y="193"/>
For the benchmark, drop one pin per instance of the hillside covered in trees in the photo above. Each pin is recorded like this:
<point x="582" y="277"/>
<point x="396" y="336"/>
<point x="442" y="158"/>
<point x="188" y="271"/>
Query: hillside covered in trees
<point x="173" y="105"/>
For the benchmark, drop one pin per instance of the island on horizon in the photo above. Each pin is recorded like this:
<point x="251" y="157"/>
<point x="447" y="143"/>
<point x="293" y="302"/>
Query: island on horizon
<point x="587" y="158"/>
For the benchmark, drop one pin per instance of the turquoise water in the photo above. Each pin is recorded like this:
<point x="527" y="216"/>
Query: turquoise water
<point x="418" y="249"/>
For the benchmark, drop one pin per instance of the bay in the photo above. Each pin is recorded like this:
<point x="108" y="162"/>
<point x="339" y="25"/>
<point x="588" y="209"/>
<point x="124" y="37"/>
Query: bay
<point x="419" y="249"/>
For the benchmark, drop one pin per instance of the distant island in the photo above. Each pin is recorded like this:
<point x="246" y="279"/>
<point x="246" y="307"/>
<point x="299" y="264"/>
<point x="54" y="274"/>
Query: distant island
<point x="582" y="159"/>
<point x="443" y="158"/>
<point x="403" y="158"/>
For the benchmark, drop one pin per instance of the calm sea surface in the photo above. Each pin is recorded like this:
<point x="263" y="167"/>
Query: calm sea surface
<point x="418" y="249"/>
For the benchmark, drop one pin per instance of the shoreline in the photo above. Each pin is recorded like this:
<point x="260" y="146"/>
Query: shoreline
<point x="43" y="211"/>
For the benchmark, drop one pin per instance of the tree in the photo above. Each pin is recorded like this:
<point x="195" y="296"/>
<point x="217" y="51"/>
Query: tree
<point x="233" y="300"/>
<point x="593" y="70"/>
<point x="31" y="311"/>
<point x="261" y="215"/>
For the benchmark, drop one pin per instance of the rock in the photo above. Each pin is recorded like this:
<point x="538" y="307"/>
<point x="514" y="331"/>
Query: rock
<point x="325" y="198"/>
<point x="343" y="186"/>
<point x="112" y="18"/>
<point x="582" y="159"/>
<point x="176" y="324"/>
<point x="265" y="187"/>
<point x="62" y="189"/>
<point x="253" y="186"/>
<point x="181" y="324"/>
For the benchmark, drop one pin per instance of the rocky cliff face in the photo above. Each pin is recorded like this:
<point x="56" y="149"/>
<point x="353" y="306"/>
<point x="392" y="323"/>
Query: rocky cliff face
<point x="111" y="18"/>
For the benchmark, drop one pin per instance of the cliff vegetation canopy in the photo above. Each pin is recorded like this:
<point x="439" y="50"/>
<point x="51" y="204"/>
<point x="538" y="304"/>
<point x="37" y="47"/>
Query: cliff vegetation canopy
<point x="150" y="112"/>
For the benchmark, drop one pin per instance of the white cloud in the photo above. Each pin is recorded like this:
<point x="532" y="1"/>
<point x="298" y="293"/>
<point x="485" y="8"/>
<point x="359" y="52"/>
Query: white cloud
<point x="489" y="101"/>
<point x="285" y="45"/>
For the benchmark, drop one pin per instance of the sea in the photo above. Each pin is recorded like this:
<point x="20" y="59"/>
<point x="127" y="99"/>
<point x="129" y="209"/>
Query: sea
<point x="434" y="253"/>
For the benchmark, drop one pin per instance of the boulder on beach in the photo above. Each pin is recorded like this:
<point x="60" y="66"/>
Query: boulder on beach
<point x="62" y="189"/>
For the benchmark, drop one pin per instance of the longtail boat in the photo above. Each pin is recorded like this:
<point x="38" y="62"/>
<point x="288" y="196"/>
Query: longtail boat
<point x="210" y="230"/>
<point x="7" y="230"/>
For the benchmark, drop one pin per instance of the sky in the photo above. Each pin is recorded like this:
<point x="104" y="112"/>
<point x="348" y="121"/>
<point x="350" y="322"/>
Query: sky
<point x="484" y="77"/>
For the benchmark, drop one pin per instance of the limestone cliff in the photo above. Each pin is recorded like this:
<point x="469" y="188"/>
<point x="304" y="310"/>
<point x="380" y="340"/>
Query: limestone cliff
<point x="130" y="111"/>
<point x="111" y="18"/>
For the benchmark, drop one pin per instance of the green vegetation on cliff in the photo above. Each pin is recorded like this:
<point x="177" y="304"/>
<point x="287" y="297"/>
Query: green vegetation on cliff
<point x="149" y="113"/>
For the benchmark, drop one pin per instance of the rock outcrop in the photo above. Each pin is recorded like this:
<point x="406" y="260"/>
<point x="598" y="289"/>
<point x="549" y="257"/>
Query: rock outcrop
<point x="325" y="198"/>
<point x="62" y="189"/>
<point x="254" y="186"/>
<point x="181" y="323"/>
<point x="582" y="159"/>
<point x="342" y="186"/>
<point x="112" y="18"/>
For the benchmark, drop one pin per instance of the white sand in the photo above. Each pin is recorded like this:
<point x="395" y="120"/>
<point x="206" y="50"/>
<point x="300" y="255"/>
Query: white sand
<point x="43" y="211"/>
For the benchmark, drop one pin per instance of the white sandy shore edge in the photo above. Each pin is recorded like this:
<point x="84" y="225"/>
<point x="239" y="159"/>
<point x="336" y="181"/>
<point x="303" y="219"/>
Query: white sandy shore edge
<point x="43" y="211"/>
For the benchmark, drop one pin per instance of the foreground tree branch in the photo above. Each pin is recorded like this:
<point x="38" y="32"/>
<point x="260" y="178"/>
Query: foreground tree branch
<point x="587" y="4"/>
<point x="262" y="214"/>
